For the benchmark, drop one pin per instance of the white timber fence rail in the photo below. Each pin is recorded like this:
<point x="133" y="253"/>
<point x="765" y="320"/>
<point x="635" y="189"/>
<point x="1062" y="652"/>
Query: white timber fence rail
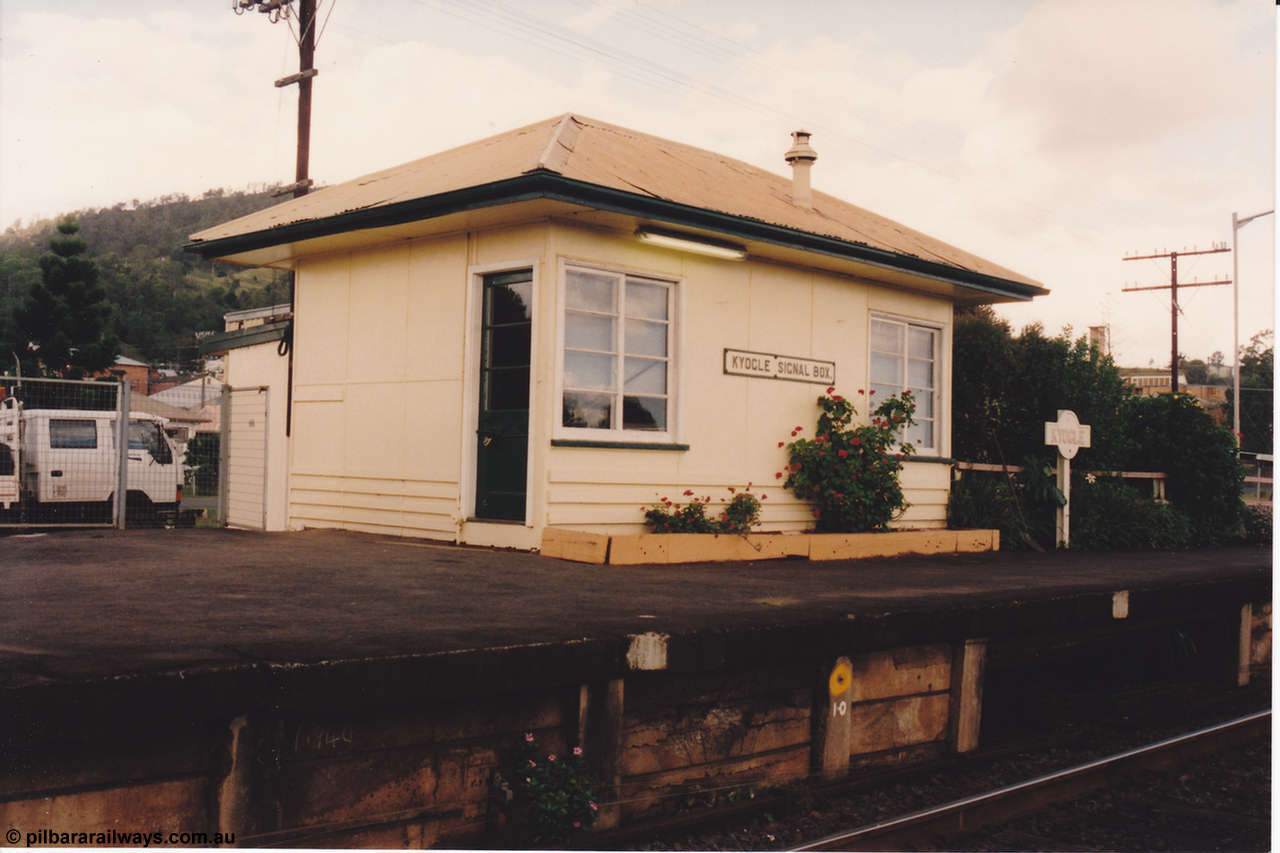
<point x="1157" y="478"/>
<point x="1258" y="477"/>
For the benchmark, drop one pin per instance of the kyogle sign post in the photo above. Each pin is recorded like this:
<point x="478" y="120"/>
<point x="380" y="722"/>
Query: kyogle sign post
<point x="1068" y="435"/>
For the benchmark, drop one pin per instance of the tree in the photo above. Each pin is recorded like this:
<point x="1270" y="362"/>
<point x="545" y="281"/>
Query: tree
<point x="1005" y="387"/>
<point x="65" y="322"/>
<point x="1196" y="371"/>
<point x="1173" y="434"/>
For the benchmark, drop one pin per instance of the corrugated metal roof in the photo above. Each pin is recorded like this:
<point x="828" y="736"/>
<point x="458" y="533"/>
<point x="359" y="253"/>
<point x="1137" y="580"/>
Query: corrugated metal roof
<point x="606" y="155"/>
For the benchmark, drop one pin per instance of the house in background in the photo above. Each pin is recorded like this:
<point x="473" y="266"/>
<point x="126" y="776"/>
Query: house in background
<point x="136" y="373"/>
<point x="1154" y="381"/>
<point x="558" y="325"/>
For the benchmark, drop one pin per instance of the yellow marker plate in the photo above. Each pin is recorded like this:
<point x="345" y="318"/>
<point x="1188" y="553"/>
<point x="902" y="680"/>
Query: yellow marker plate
<point x="841" y="678"/>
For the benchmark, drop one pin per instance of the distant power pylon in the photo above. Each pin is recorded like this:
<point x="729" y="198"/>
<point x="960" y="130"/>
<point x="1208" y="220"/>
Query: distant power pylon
<point x="1172" y="287"/>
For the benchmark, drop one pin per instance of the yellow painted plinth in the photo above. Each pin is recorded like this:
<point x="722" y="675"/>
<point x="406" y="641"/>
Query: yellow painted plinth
<point x="667" y="548"/>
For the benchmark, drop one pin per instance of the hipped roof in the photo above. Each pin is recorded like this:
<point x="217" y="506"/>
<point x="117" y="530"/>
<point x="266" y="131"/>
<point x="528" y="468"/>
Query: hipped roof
<point x="578" y="159"/>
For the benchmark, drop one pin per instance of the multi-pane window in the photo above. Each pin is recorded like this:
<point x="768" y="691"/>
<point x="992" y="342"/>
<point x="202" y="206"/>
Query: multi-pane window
<point x="617" y="351"/>
<point x="904" y="357"/>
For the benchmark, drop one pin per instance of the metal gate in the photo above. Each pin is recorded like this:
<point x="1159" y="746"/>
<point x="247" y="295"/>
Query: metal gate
<point x="66" y="454"/>
<point x="243" y="482"/>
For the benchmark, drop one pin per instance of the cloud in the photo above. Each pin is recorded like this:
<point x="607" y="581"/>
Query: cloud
<point x="1095" y="75"/>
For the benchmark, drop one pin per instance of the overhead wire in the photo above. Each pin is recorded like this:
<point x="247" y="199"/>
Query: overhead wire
<point x="638" y="69"/>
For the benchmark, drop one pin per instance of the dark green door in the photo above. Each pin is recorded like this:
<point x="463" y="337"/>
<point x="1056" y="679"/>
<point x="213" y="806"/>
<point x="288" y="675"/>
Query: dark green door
<point x="502" y="441"/>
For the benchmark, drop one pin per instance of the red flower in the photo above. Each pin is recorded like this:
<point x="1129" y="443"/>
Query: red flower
<point x="872" y="391"/>
<point x="779" y="443"/>
<point x="860" y="391"/>
<point x="838" y="398"/>
<point x="799" y="429"/>
<point x="778" y="475"/>
<point x="843" y="454"/>
<point x="764" y="497"/>
<point x="856" y="441"/>
<point x="831" y="388"/>
<point x="688" y="491"/>
<point x="731" y="489"/>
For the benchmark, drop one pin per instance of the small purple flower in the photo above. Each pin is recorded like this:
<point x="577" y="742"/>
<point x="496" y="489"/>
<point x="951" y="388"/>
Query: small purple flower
<point x="577" y="750"/>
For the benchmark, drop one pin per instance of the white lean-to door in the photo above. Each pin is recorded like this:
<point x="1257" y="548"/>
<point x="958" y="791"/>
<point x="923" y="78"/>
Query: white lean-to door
<point x="245" y="459"/>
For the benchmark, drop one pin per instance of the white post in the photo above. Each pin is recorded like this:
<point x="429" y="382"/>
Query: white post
<point x="1235" y="326"/>
<point x="1236" y="224"/>
<point x="1068" y="435"/>
<point x="1064" y="511"/>
<point x="122" y="454"/>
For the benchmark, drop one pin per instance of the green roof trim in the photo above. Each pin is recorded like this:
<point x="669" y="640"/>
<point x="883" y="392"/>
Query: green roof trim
<point x="264" y="334"/>
<point x="542" y="184"/>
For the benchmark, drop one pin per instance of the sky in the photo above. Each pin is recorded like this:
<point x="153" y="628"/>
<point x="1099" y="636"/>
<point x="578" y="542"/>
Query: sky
<point x="1051" y="138"/>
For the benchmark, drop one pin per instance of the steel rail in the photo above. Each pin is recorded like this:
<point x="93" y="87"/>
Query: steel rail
<point x="970" y="813"/>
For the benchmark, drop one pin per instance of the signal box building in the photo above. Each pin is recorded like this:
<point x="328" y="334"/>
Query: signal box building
<point x="559" y="325"/>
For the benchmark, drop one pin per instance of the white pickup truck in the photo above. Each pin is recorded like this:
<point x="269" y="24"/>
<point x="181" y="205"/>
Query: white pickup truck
<point x="61" y="465"/>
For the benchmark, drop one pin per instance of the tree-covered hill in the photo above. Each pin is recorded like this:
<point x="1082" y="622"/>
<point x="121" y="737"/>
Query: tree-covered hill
<point x="158" y="297"/>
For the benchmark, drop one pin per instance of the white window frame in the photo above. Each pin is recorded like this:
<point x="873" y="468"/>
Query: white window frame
<point x="939" y="333"/>
<point x="675" y="328"/>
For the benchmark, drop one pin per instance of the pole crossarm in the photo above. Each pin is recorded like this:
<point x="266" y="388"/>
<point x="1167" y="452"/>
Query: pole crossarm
<point x="1180" y="284"/>
<point x="1216" y="251"/>
<point x="1172" y="287"/>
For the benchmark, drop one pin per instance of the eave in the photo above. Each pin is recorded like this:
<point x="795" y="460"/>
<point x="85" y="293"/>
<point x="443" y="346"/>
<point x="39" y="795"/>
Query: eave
<point x="542" y="184"/>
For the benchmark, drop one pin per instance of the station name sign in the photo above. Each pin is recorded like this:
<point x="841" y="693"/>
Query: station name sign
<point x="767" y="365"/>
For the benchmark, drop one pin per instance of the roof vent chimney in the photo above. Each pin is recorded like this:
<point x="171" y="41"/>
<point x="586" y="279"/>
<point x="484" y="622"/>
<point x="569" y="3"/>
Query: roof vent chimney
<point x="801" y="158"/>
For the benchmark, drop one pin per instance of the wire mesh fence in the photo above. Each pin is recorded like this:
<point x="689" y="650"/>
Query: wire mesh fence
<point x="68" y="451"/>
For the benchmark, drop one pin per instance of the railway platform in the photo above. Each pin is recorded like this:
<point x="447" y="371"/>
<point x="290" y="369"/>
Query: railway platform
<point x="325" y="687"/>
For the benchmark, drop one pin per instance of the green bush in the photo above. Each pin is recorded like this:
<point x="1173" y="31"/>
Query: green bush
<point x="1021" y="506"/>
<point x="1171" y="433"/>
<point x="1106" y="514"/>
<point x="1257" y="525"/>
<point x="984" y="500"/>
<point x="851" y="473"/>
<point x="1111" y="515"/>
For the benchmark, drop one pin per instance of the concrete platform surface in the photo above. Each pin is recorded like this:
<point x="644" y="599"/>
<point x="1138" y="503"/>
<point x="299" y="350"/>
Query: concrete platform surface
<point x="94" y="606"/>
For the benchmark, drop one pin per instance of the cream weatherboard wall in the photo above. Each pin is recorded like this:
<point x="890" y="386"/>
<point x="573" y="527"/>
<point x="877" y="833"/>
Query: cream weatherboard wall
<point x="385" y="384"/>
<point x="732" y="424"/>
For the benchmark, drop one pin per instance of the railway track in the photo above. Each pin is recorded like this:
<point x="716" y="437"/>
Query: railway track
<point x="932" y="826"/>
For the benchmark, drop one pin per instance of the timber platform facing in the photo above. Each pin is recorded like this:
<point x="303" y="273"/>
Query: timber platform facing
<point x="362" y="690"/>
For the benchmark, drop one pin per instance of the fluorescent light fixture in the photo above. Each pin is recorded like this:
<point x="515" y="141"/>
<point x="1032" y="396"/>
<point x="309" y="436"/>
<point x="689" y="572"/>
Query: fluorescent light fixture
<point x="690" y="243"/>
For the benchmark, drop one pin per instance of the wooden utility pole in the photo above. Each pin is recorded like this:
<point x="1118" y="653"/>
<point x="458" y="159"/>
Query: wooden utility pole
<point x="1172" y="287"/>
<point x="278" y="10"/>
